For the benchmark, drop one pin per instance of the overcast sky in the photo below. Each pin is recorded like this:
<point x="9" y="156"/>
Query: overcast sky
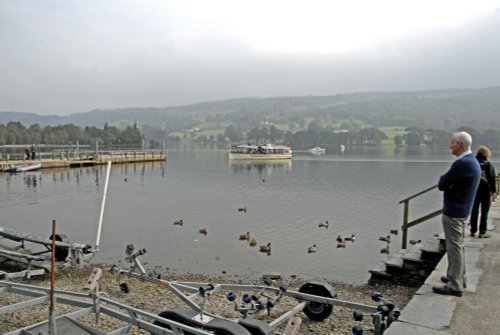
<point x="69" y="56"/>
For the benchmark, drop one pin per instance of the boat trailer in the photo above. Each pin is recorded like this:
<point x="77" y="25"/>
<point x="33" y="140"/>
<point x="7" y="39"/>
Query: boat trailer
<point x="36" y="262"/>
<point x="316" y="299"/>
<point x="93" y="303"/>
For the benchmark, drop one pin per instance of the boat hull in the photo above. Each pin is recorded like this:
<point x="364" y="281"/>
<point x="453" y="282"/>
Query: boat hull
<point x="23" y="168"/>
<point x="258" y="157"/>
<point x="260" y="152"/>
<point x="317" y="151"/>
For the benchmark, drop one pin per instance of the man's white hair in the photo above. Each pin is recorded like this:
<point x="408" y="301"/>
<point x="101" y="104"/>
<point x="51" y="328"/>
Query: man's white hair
<point x="464" y="138"/>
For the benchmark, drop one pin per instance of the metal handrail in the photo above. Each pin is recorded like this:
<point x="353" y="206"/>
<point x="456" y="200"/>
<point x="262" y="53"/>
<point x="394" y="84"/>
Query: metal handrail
<point x="84" y="154"/>
<point x="408" y="224"/>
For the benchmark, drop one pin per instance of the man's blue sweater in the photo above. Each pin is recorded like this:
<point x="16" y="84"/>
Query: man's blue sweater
<point x="460" y="185"/>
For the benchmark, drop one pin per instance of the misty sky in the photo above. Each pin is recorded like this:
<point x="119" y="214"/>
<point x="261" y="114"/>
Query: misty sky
<point x="69" y="56"/>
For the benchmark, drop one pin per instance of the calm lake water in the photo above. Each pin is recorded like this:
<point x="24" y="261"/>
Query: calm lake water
<point x="358" y="193"/>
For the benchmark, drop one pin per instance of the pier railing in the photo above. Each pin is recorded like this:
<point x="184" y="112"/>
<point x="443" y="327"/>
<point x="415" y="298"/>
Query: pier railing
<point x="81" y="155"/>
<point x="72" y="158"/>
<point x="406" y="213"/>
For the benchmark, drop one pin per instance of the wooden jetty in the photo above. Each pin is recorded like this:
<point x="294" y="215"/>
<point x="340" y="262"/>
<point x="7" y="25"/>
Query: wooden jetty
<point x="71" y="159"/>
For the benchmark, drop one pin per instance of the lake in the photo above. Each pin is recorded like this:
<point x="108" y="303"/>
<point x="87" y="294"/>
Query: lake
<point x="357" y="192"/>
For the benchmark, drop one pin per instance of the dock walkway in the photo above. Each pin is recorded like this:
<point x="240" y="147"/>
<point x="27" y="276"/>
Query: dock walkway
<point x="63" y="160"/>
<point x="477" y="311"/>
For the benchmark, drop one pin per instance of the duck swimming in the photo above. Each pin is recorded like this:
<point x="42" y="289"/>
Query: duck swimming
<point x="385" y="250"/>
<point x="253" y="242"/>
<point x="242" y="209"/>
<point x="394" y="231"/>
<point x="203" y="231"/>
<point x="351" y="238"/>
<point x="341" y="245"/>
<point x="325" y="225"/>
<point x="385" y="238"/>
<point x="312" y="249"/>
<point x="179" y="222"/>
<point x="245" y="236"/>
<point x="266" y="248"/>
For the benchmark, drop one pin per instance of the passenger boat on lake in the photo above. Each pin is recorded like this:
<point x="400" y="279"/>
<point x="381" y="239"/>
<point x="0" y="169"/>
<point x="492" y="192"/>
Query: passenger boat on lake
<point x="260" y="152"/>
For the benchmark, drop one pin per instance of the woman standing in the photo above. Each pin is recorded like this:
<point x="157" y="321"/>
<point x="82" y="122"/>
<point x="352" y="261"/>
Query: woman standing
<point x="486" y="190"/>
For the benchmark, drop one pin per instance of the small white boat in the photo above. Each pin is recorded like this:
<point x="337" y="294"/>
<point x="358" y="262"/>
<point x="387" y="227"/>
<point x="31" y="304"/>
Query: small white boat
<point x="317" y="151"/>
<point x="260" y="152"/>
<point x="31" y="166"/>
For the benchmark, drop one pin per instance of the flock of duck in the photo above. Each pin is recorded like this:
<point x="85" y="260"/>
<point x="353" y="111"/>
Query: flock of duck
<point x="253" y="242"/>
<point x="341" y="241"/>
<point x="387" y="240"/>
<point x="244" y="237"/>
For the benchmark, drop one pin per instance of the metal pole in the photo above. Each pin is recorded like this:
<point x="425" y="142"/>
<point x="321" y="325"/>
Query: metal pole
<point x="52" y="321"/>
<point x="404" y="239"/>
<point x="102" y="207"/>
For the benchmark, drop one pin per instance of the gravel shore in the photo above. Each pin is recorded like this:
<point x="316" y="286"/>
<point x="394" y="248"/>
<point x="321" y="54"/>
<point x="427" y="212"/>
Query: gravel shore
<point x="154" y="298"/>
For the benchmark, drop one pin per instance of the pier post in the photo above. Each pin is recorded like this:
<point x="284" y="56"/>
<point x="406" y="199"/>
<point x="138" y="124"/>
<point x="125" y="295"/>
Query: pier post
<point x="404" y="228"/>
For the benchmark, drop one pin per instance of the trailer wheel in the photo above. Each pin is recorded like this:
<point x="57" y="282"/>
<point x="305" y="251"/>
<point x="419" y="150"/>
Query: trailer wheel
<point x="315" y="310"/>
<point x="61" y="252"/>
<point x="165" y="315"/>
<point x="217" y="330"/>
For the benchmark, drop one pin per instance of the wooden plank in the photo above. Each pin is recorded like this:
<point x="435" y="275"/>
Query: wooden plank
<point x="293" y="325"/>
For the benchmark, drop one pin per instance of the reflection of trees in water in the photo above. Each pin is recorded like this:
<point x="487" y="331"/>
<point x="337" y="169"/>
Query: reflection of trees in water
<point x="63" y="175"/>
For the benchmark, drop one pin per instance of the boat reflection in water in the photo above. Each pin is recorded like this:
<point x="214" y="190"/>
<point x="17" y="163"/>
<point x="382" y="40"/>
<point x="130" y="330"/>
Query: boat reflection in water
<point x="262" y="167"/>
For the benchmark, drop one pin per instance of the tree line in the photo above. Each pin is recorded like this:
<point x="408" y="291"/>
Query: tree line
<point x="315" y="135"/>
<point x="16" y="133"/>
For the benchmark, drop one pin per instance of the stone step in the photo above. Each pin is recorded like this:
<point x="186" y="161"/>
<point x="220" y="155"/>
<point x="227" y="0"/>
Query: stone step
<point x="433" y="250"/>
<point x="379" y="270"/>
<point x="413" y="256"/>
<point x="379" y="275"/>
<point x="409" y="267"/>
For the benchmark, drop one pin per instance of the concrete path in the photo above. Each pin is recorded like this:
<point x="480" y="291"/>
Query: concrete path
<point x="478" y="311"/>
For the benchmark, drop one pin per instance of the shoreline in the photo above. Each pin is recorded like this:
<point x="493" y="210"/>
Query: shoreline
<point x="154" y="298"/>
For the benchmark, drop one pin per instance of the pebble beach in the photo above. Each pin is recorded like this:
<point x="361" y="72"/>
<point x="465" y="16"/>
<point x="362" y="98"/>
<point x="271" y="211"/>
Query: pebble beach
<point x="154" y="298"/>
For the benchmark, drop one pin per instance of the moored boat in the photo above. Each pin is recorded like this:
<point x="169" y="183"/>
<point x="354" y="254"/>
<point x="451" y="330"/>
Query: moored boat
<point x="260" y="152"/>
<point x="30" y="166"/>
<point x="317" y="151"/>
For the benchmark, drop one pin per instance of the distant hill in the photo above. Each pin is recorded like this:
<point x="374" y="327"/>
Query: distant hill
<point x="436" y="109"/>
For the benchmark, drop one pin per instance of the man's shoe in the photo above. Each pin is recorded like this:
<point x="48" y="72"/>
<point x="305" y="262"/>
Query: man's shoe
<point x="445" y="279"/>
<point x="484" y="235"/>
<point x="446" y="290"/>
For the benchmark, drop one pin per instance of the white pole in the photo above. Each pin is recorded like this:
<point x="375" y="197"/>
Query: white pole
<point x="102" y="207"/>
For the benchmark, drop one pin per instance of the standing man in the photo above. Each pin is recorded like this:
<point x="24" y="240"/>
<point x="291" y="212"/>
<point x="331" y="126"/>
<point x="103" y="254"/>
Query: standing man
<point x="459" y="185"/>
<point x="33" y="152"/>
